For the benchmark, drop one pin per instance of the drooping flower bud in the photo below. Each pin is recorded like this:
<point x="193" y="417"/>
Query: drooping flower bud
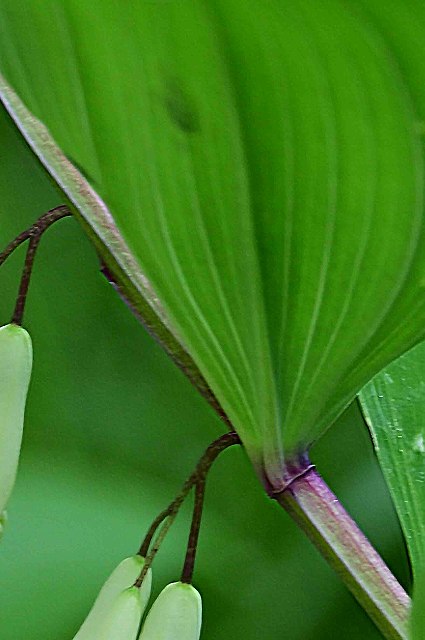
<point x="15" y="374"/>
<point x="122" y="622"/>
<point x="176" y="614"/>
<point x="117" y="600"/>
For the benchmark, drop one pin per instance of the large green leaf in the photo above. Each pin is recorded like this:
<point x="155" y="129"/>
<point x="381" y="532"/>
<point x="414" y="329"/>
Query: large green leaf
<point x="256" y="170"/>
<point x="394" y="407"/>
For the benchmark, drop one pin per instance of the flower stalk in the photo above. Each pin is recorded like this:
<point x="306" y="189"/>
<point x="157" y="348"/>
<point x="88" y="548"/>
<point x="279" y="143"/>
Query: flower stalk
<point x="168" y="515"/>
<point x="33" y="234"/>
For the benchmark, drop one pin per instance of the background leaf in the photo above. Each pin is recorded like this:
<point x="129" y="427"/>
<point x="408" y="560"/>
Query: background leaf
<point x="394" y="407"/>
<point x="265" y="168"/>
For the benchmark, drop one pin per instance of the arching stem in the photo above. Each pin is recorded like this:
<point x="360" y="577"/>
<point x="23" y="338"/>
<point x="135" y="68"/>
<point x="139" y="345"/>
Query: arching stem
<point x="33" y="234"/>
<point x="169" y="514"/>
<point x="18" y="313"/>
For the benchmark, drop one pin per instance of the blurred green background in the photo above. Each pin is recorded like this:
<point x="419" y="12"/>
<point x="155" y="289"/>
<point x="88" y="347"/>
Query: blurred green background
<point x="113" y="429"/>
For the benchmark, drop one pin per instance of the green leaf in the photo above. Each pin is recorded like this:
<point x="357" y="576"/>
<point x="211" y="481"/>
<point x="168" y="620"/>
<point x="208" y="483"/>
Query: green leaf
<point x="394" y="407"/>
<point x="417" y="621"/>
<point x="257" y="174"/>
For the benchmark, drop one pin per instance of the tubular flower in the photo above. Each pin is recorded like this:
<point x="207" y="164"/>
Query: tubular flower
<point x="119" y="607"/>
<point x="15" y="374"/>
<point x="175" y="615"/>
<point x="122" y="622"/>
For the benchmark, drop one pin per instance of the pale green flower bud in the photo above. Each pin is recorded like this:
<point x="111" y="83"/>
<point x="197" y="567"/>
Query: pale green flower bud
<point x="122" y="622"/>
<point x="109" y="601"/>
<point x="15" y="374"/>
<point x="176" y="614"/>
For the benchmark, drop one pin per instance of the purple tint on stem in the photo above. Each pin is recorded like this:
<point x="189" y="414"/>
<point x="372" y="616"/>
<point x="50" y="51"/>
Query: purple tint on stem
<point x="316" y="509"/>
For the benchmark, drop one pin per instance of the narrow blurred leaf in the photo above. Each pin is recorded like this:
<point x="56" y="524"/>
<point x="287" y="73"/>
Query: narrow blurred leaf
<point x="394" y="407"/>
<point x="417" y="622"/>
<point x="264" y="167"/>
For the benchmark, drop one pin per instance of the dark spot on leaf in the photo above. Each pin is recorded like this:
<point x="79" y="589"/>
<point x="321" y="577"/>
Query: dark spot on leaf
<point x="180" y="108"/>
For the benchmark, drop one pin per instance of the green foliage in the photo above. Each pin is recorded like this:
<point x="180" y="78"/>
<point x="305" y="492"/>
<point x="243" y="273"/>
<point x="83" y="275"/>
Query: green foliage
<point x="103" y="452"/>
<point x="394" y="407"/>
<point x="251" y="160"/>
<point x="253" y="180"/>
<point x="417" y="623"/>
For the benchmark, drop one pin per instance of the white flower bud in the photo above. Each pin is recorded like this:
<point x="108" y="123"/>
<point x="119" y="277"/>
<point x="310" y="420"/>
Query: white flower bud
<point x="122" y="622"/>
<point x="15" y="374"/>
<point x="176" y="614"/>
<point x="109" y="602"/>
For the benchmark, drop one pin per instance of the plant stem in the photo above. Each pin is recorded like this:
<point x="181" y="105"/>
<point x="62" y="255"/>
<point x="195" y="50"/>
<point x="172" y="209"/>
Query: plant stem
<point x="33" y="234"/>
<point x="318" y="512"/>
<point x="168" y="515"/>
<point x="166" y="525"/>
<point x="21" y="299"/>
<point x="38" y="228"/>
<point x="192" y="545"/>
